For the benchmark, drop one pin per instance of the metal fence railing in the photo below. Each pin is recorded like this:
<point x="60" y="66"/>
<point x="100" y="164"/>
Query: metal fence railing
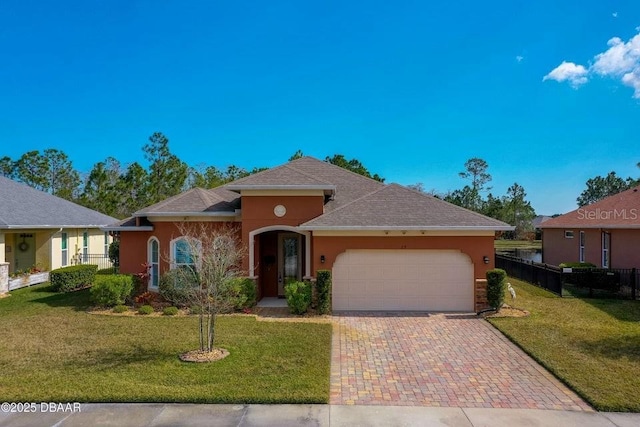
<point x="100" y="260"/>
<point x="543" y="275"/>
<point x="580" y="282"/>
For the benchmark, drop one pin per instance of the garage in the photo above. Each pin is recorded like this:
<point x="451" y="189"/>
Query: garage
<point x="403" y="280"/>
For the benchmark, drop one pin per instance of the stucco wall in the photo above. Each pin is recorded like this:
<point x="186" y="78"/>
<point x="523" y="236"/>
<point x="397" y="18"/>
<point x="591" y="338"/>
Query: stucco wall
<point x="476" y="247"/>
<point x="257" y="212"/>
<point x="624" y="250"/>
<point x="74" y="244"/>
<point x="133" y="245"/>
<point x="2" y="247"/>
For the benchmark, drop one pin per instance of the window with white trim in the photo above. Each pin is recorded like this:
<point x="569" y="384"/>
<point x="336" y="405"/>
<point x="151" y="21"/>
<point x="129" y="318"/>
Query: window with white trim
<point x="85" y="247"/>
<point x="582" y="246"/>
<point x="64" y="246"/>
<point x="568" y="234"/>
<point x="181" y="255"/>
<point x="106" y="244"/>
<point x="153" y="258"/>
<point x="606" y="243"/>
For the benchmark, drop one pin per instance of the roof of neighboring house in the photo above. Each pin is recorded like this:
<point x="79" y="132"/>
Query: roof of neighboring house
<point x="396" y="207"/>
<point x="355" y="202"/>
<point x="621" y="210"/>
<point x="539" y="220"/>
<point x="22" y="207"/>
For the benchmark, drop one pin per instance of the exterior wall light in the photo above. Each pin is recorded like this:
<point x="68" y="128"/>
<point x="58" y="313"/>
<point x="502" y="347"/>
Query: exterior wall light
<point x="322" y="259"/>
<point x="485" y="259"/>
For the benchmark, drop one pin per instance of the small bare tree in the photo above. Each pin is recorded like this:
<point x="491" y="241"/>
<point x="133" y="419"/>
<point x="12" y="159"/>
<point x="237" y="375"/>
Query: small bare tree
<point x="206" y="260"/>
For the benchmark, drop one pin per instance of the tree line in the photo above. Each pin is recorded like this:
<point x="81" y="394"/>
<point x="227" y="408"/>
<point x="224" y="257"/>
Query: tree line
<point x="119" y="190"/>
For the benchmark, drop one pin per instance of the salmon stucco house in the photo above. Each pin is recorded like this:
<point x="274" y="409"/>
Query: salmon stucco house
<point x="605" y="233"/>
<point x="388" y="247"/>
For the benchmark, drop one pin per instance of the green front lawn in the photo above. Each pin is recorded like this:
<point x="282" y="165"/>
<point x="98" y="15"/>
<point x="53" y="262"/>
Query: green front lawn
<point x="52" y="350"/>
<point x="593" y="345"/>
<point x="517" y="244"/>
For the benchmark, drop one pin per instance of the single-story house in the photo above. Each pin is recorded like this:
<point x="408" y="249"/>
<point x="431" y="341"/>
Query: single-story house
<point x="388" y="247"/>
<point x="38" y="230"/>
<point x="605" y="233"/>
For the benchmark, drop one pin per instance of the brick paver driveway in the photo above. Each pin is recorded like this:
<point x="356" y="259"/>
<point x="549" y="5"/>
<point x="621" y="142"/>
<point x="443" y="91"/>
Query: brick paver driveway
<point x="437" y="360"/>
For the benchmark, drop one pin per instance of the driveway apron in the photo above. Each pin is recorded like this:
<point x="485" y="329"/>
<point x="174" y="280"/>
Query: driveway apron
<point x="448" y="360"/>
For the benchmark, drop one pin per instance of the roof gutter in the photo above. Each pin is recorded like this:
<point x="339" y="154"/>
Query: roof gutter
<point x="127" y="228"/>
<point x="590" y="226"/>
<point x="161" y="214"/>
<point x="48" y="227"/>
<point x="407" y="228"/>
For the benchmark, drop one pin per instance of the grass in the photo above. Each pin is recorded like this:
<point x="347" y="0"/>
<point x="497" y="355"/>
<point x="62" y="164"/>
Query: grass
<point x="517" y="244"/>
<point x="593" y="345"/>
<point x="52" y="350"/>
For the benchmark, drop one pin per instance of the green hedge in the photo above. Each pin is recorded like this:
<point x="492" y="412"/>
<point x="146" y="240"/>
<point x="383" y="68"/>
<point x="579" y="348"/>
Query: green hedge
<point x="68" y="279"/>
<point x="323" y="291"/>
<point x="241" y="293"/>
<point x="298" y="296"/>
<point x="112" y="290"/>
<point x="576" y="265"/>
<point x="496" y="285"/>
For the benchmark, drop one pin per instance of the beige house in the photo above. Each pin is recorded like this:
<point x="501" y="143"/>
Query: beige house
<point x="44" y="232"/>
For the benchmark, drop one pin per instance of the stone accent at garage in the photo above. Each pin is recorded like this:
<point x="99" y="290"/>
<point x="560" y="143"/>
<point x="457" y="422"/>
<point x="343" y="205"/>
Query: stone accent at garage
<point x="481" y="295"/>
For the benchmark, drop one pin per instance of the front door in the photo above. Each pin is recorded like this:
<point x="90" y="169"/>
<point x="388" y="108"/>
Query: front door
<point x="289" y="260"/>
<point x="25" y="254"/>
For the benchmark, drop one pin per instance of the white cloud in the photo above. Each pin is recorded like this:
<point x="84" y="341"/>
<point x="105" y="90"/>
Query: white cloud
<point x="620" y="58"/>
<point x="519" y="58"/>
<point x="614" y="14"/>
<point x="568" y="71"/>
<point x="621" y="61"/>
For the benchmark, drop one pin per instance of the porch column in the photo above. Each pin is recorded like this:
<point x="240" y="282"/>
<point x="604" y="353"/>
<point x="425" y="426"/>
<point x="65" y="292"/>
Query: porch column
<point x="4" y="277"/>
<point x="2" y="247"/>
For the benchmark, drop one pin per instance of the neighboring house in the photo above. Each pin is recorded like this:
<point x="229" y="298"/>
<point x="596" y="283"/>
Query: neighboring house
<point x="605" y="233"/>
<point x="535" y="224"/>
<point x="388" y="247"/>
<point x="44" y="231"/>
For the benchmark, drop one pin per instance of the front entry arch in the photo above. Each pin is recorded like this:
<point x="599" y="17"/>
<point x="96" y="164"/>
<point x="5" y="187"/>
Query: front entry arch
<point x="278" y="254"/>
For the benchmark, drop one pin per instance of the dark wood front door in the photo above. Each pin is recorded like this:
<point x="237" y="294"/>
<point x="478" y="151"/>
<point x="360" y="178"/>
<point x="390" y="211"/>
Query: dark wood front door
<point x="269" y="264"/>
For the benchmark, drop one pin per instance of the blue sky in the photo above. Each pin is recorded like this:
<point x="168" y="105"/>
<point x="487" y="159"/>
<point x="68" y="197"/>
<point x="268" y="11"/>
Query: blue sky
<point x="412" y="89"/>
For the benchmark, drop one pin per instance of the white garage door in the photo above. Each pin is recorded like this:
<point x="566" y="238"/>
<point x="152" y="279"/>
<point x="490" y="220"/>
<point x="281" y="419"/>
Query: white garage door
<point x="423" y="280"/>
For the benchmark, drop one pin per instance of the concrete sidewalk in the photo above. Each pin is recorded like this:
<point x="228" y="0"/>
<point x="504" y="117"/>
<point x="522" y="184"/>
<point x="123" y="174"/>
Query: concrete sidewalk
<point x="122" y="415"/>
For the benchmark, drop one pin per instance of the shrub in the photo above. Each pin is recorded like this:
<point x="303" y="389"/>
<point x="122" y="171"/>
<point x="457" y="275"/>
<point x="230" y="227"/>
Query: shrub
<point x="114" y="252"/>
<point x="241" y="293"/>
<point x="496" y="284"/>
<point x="173" y="288"/>
<point x="196" y="309"/>
<point x="298" y="296"/>
<point x="145" y="309"/>
<point x="577" y="265"/>
<point x="110" y="270"/>
<point x="67" y="279"/>
<point x="323" y="291"/>
<point x="112" y="290"/>
<point x="144" y="298"/>
<point x="120" y="308"/>
<point x="170" y="311"/>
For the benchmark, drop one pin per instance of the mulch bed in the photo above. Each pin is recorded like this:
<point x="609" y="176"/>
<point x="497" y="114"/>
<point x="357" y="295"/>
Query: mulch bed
<point x="201" y="356"/>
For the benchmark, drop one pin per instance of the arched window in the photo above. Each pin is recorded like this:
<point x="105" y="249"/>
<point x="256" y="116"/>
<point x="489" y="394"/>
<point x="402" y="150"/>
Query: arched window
<point x="181" y="253"/>
<point x="153" y="258"/>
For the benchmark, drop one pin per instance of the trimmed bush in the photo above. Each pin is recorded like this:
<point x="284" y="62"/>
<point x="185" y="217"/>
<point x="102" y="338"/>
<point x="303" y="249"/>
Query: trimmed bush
<point x="145" y="309"/>
<point x="323" y="291"/>
<point x="496" y="285"/>
<point x="120" y="309"/>
<point x="298" y="296"/>
<point x="68" y="279"/>
<point x="241" y="293"/>
<point x="112" y="290"/>
<point x="173" y="289"/>
<point x="576" y="265"/>
<point x="196" y="309"/>
<point x="110" y="270"/>
<point x="170" y="311"/>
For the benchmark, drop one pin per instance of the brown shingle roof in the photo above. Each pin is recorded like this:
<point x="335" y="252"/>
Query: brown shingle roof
<point x="621" y="210"/>
<point x="196" y="200"/>
<point x="393" y="206"/>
